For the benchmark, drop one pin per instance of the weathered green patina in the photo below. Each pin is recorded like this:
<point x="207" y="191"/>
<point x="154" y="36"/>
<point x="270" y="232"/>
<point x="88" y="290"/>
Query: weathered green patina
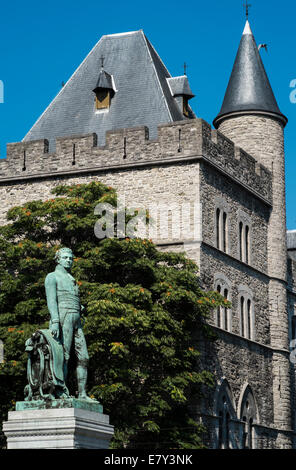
<point x="49" y="350"/>
<point x="69" y="402"/>
<point x="45" y="367"/>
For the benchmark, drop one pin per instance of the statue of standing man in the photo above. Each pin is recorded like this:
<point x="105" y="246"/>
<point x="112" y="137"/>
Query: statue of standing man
<point x="62" y="294"/>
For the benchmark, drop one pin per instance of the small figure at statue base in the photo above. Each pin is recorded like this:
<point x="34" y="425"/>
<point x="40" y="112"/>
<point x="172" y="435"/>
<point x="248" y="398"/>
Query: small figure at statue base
<point x="45" y="368"/>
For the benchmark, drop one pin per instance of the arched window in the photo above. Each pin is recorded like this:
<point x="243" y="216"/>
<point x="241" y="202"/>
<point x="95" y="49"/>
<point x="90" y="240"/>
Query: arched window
<point x="244" y="232"/>
<point x="224" y="232"/>
<point x="226" y="322"/>
<point x="247" y="244"/>
<point x="248" y="414"/>
<point x="242" y="316"/>
<point x="246" y="313"/>
<point x="249" y="323"/>
<point x="225" y="413"/>
<point x="223" y="314"/>
<point x="221" y="228"/>
<point x="218" y="228"/>
<point x="241" y="241"/>
<point x="218" y="322"/>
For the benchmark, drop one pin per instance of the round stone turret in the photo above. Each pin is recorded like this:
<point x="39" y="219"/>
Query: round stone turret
<point x="251" y="118"/>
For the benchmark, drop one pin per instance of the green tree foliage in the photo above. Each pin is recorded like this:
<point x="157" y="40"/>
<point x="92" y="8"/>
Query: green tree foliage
<point x="142" y="306"/>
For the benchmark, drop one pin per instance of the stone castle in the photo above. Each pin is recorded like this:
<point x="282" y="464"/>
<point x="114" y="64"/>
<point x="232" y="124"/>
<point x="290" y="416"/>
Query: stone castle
<point x="123" y="120"/>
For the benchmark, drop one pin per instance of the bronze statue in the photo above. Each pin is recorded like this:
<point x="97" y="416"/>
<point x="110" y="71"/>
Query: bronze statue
<point x="49" y="350"/>
<point x="62" y="294"/>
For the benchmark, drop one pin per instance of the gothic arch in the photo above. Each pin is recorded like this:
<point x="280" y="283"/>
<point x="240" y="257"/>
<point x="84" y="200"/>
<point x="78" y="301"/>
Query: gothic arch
<point x="248" y="413"/>
<point x="222" y="225"/>
<point x="246" y="312"/>
<point x="223" y="316"/>
<point x="224" y="410"/>
<point x="223" y="388"/>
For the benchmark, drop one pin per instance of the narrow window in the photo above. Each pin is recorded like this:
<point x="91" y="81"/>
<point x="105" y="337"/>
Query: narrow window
<point x="220" y="431"/>
<point x="245" y="435"/>
<point x="219" y="309"/>
<point x="226" y="311"/>
<point x="294" y="327"/>
<point x="218" y="228"/>
<point x="242" y="319"/>
<point x="224" y="232"/>
<point x="241" y="241"/>
<point x="227" y="430"/>
<point x="249" y="318"/>
<point x="250" y="433"/>
<point x="247" y="244"/>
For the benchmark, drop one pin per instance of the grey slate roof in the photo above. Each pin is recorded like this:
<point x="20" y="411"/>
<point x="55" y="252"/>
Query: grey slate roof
<point x="248" y="88"/>
<point x="180" y="86"/>
<point x="142" y="95"/>
<point x="104" y="81"/>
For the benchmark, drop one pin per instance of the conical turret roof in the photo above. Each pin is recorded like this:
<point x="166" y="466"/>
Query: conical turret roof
<point x="248" y="90"/>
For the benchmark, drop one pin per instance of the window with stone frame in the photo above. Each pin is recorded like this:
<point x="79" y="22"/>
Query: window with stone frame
<point x="225" y="413"/>
<point x="222" y="226"/>
<point x="246" y="313"/>
<point x="223" y="315"/>
<point x="244" y="237"/>
<point x="248" y="414"/>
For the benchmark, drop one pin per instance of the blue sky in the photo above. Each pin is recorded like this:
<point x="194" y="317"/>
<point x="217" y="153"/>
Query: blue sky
<point x="42" y="43"/>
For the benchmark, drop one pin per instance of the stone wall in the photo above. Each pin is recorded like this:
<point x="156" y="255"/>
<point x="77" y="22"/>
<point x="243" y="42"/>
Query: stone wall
<point x="167" y="186"/>
<point x="216" y="191"/>
<point x="128" y="148"/>
<point x="263" y="137"/>
<point x="189" y="162"/>
<point x="213" y="262"/>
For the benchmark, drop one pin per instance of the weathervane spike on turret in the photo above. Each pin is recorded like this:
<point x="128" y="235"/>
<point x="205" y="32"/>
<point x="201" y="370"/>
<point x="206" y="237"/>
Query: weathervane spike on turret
<point x="247" y="5"/>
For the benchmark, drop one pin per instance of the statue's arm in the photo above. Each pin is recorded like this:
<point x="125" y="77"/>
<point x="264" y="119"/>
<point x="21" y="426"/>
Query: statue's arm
<point x="51" y="297"/>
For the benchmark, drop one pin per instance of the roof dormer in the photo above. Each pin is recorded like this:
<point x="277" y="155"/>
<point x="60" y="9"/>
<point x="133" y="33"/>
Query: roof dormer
<point x="181" y="91"/>
<point x="104" y="91"/>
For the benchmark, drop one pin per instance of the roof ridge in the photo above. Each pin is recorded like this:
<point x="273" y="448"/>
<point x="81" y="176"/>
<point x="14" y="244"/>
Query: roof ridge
<point x="121" y="34"/>
<point x="146" y="41"/>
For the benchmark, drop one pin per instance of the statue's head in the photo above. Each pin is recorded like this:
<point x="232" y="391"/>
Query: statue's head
<point x="64" y="257"/>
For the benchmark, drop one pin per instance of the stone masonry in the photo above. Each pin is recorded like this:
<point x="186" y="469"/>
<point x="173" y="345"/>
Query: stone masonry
<point x="190" y="162"/>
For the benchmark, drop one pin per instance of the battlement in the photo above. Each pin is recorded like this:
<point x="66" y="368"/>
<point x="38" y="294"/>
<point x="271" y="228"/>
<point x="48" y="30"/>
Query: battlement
<point x="184" y="140"/>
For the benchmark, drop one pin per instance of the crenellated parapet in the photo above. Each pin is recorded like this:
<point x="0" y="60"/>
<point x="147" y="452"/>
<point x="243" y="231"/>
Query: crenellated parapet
<point x="180" y="141"/>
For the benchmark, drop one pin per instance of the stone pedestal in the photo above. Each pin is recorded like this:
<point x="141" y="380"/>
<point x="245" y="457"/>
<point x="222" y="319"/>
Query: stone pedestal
<point x="74" y="426"/>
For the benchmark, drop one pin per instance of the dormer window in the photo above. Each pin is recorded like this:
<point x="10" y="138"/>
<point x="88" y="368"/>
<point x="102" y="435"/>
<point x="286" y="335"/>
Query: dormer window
<point x="180" y="90"/>
<point x="102" y="99"/>
<point x="104" y="91"/>
<point x="185" y="106"/>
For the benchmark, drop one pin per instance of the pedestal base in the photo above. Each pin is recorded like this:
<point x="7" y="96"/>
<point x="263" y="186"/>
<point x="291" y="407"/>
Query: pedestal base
<point x="57" y="428"/>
